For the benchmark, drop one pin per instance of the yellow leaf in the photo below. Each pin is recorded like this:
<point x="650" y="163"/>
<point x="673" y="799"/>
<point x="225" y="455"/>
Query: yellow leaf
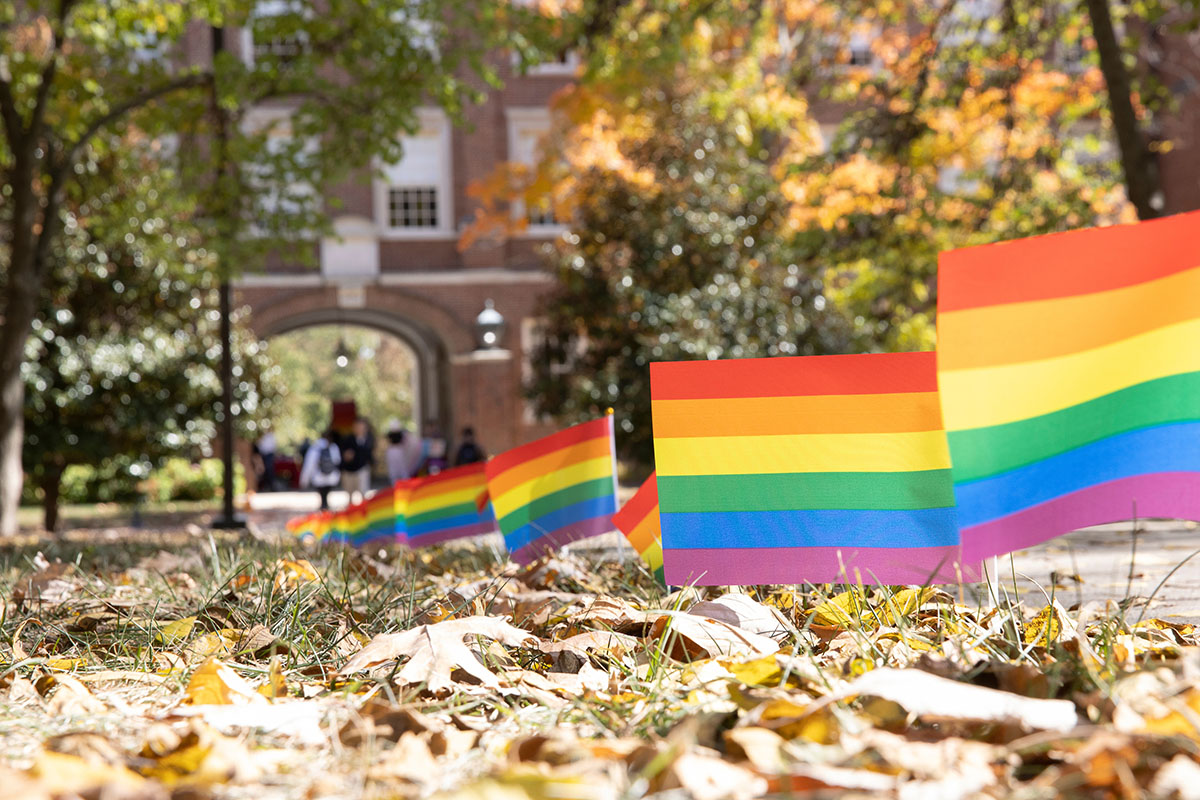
<point x="905" y="603"/>
<point x="763" y="671"/>
<point x="65" y="664"/>
<point x="276" y="685"/>
<point x="843" y="610"/>
<point x="290" y="574"/>
<point x="1044" y="629"/>
<point x="67" y="775"/>
<point x="175" y="632"/>
<point x="214" y="683"/>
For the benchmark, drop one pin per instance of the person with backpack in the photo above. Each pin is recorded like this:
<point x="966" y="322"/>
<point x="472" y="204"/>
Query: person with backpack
<point x="322" y="467"/>
<point x="469" y="451"/>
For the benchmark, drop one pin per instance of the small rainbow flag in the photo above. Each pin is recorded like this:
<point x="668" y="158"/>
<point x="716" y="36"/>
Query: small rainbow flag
<point x="556" y="490"/>
<point x="1069" y="368"/>
<point x="638" y="520"/>
<point x="349" y="525"/>
<point x="380" y="509"/>
<point x="811" y="469"/>
<point x="446" y="506"/>
<point x="302" y="527"/>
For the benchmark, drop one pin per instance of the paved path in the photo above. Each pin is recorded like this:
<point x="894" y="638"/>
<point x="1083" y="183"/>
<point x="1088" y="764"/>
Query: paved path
<point x="1101" y="556"/>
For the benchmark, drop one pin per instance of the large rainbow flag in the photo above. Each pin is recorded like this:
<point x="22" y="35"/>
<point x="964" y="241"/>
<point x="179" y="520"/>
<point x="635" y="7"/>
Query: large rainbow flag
<point x="1069" y="368"/>
<point x="449" y="505"/>
<point x="811" y="469"/>
<point x="556" y="490"/>
<point x="638" y="520"/>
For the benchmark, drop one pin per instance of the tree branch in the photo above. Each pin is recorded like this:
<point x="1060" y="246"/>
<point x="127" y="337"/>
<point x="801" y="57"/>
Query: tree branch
<point x="189" y="81"/>
<point x="41" y="100"/>
<point x="12" y="119"/>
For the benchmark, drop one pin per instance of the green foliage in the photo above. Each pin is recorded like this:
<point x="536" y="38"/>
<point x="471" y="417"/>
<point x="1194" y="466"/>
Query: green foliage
<point x="379" y="378"/>
<point x="679" y="246"/>
<point x="121" y="371"/>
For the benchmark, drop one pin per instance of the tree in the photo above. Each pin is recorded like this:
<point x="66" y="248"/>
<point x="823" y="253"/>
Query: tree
<point x="679" y="244"/>
<point x="120" y="373"/>
<point x="351" y="75"/>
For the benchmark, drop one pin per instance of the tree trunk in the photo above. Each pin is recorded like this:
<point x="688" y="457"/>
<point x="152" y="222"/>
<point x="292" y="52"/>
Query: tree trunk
<point x="51" y="493"/>
<point x="20" y="306"/>
<point x="1137" y="162"/>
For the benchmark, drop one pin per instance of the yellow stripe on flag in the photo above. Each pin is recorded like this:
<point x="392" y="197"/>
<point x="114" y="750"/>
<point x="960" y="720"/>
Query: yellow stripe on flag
<point x="979" y="398"/>
<point x="829" y="452"/>
<point x="533" y="489"/>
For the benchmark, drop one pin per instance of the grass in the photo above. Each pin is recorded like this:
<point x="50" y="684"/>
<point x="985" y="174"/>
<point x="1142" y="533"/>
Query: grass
<point x="147" y="608"/>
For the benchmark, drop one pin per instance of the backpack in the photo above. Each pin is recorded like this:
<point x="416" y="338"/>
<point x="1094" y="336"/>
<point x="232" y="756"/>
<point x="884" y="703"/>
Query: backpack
<point x="325" y="464"/>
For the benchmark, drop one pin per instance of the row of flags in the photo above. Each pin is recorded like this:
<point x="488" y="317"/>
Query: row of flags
<point x="541" y="496"/>
<point x="1065" y="392"/>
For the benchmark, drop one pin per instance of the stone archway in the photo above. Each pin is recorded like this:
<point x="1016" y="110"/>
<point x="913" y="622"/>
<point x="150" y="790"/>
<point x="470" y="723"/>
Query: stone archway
<point x="433" y="384"/>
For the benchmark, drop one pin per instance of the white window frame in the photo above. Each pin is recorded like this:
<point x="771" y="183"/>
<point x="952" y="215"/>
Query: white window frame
<point x="266" y="8"/>
<point x="519" y="117"/>
<point x="568" y="68"/>
<point x="429" y="119"/>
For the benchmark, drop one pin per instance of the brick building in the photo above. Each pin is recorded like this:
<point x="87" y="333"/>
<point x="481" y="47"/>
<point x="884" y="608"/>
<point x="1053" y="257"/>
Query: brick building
<point x="394" y="263"/>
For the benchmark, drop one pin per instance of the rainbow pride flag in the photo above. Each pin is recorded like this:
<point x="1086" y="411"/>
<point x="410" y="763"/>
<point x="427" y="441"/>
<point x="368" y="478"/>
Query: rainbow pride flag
<point x="380" y="513"/>
<point x="813" y="469"/>
<point x="556" y="490"/>
<point x="446" y="506"/>
<point x="302" y="527"/>
<point x="638" y="520"/>
<point x="1069" y="368"/>
<point x="349" y="526"/>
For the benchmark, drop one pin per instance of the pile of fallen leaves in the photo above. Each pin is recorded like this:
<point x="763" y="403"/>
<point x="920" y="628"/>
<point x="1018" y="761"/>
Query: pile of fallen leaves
<point x="238" y="669"/>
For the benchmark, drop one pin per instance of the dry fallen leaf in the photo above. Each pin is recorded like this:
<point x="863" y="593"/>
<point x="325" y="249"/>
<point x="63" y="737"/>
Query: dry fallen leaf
<point x="927" y="695"/>
<point x="688" y="637"/>
<point x="289" y="574"/>
<point x="214" y="683"/>
<point x="436" y="651"/>
<point x="743" y="611"/>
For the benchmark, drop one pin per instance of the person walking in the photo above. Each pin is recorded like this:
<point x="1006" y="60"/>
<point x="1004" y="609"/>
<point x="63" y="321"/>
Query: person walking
<point x="265" y="448"/>
<point x="397" y="455"/>
<point x="359" y="460"/>
<point x="469" y="451"/>
<point x="321" y="470"/>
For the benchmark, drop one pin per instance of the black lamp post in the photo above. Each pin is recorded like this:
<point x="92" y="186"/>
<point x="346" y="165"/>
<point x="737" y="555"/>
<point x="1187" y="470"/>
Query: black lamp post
<point x="228" y="519"/>
<point x="489" y="326"/>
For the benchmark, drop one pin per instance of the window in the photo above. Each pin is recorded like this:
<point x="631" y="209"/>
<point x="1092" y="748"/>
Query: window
<point x="527" y="128"/>
<point x="276" y="179"/>
<point x="413" y="207"/>
<point x="414" y="196"/>
<point x="275" y="31"/>
<point x="564" y="62"/>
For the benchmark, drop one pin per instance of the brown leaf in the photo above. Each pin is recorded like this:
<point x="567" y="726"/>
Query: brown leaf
<point x="50" y="585"/>
<point x="689" y="637"/>
<point x="613" y="614"/>
<point x="381" y="720"/>
<point x="436" y="651"/>
<point x="743" y="611"/>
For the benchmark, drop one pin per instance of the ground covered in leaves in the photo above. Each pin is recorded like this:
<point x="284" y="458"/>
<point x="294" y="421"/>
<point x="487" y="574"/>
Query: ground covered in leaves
<point x="191" y="666"/>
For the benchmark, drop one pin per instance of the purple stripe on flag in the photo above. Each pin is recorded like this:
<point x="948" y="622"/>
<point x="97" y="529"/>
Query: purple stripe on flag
<point x="895" y="565"/>
<point x="563" y="536"/>
<point x="1172" y="495"/>
<point x="461" y="532"/>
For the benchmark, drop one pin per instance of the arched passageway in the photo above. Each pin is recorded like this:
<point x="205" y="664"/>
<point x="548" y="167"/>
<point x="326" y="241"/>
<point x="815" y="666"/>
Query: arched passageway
<point x="431" y="401"/>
